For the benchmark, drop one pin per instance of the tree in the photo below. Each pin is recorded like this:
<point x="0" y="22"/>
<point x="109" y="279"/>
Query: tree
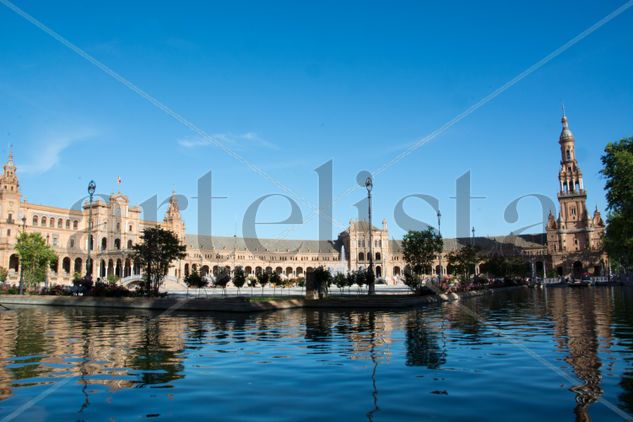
<point x="35" y="257"/>
<point x="222" y="279"/>
<point x="195" y="281"/>
<point x="617" y="169"/>
<point x="361" y="278"/>
<point x="239" y="278"/>
<point x="412" y="280"/>
<point x="158" y="249"/>
<point x="340" y="281"/>
<point x="262" y="279"/>
<point x="495" y="265"/>
<point x="420" y="249"/>
<point x="464" y="260"/>
<point x="322" y="279"/>
<point x="275" y="280"/>
<point x="3" y="274"/>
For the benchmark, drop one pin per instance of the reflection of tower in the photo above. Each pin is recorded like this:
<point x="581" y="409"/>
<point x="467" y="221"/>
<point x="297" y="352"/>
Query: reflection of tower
<point x="580" y="318"/>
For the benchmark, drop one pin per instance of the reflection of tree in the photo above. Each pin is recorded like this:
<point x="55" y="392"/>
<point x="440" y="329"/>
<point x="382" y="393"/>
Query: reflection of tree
<point x="30" y="341"/>
<point x="422" y="343"/>
<point x="318" y="326"/>
<point x="159" y="361"/>
<point x="622" y="322"/>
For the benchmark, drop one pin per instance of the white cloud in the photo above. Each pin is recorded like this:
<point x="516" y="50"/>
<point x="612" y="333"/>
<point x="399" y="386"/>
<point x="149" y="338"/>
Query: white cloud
<point x="239" y="142"/>
<point x="49" y="154"/>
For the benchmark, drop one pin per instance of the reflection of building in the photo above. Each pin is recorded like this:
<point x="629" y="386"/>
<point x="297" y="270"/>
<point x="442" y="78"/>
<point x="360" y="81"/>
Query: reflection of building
<point x="95" y="350"/>
<point x="573" y="240"/>
<point x="581" y="318"/>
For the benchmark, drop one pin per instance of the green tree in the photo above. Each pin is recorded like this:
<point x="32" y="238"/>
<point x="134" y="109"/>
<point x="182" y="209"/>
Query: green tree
<point x="158" y="249"/>
<point x="263" y="278"/>
<point x="239" y="277"/>
<point x="340" y="281"/>
<point x="222" y="279"/>
<point x="275" y="280"/>
<point x="617" y="170"/>
<point x="495" y="265"/>
<point x="322" y="278"/>
<point x="3" y="274"/>
<point x="195" y="281"/>
<point x="420" y="249"/>
<point x="464" y="260"/>
<point x="35" y="257"/>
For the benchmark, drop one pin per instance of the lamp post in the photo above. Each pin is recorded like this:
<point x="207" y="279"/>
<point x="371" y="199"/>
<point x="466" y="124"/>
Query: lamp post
<point x="369" y="184"/>
<point x="92" y="187"/>
<point x="439" y="231"/>
<point x="472" y="239"/>
<point x="21" y="260"/>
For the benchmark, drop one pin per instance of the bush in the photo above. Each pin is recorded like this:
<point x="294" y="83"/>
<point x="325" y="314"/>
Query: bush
<point x="56" y="290"/>
<point x="101" y="289"/>
<point x="9" y="290"/>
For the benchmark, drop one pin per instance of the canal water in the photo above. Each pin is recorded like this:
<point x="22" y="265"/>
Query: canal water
<point x="557" y="354"/>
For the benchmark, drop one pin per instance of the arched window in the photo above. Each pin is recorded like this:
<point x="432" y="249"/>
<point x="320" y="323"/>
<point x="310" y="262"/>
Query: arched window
<point x="186" y="270"/>
<point x="35" y="220"/>
<point x="104" y="244"/>
<point x="14" y="262"/>
<point x="568" y="154"/>
<point x="129" y="244"/>
<point x="78" y="263"/>
<point x="75" y="224"/>
<point x="66" y="265"/>
<point x="117" y="244"/>
<point x="52" y="222"/>
<point x="396" y="271"/>
<point x="68" y="224"/>
<point x="361" y="256"/>
<point x="44" y="221"/>
<point x="60" y="223"/>
<point x="378" y="256"/>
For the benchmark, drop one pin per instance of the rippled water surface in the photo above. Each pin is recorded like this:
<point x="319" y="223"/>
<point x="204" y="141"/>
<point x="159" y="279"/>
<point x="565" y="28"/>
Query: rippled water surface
<point x="559" y="354"/>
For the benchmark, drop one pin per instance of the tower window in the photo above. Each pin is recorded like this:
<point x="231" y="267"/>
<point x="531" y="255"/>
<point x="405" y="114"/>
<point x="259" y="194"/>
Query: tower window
<point x="568" y="154"/>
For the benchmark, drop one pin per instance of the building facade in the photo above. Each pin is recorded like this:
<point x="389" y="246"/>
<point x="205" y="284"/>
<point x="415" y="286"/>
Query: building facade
<point x="572" y="243"/>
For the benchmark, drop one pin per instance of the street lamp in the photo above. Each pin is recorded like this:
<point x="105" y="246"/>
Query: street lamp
<point x="472" y="240"/>
<point x="21" y="260"/>
<point x="369" y="184"/>
<point x="439" y="232"/>
<point x="92" y="187"/>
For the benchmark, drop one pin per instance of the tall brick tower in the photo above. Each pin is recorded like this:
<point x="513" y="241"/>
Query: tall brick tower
<point x="574" y="239"/>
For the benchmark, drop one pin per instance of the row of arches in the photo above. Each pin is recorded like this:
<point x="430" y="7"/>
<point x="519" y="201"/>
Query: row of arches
<point x="361" y="256"/>
<point x="117" y="244"/>
<point x="120" y="268"/>
<point x="205" y="270"/>
<point x="55" y="222"/>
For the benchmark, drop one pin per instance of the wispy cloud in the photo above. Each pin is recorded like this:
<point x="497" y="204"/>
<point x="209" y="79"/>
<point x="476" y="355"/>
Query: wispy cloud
<point x="50" y="151"/>
<point x="242" y="141"/>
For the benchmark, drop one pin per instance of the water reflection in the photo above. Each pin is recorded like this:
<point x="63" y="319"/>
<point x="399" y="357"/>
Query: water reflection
<point x="371" y="354"/>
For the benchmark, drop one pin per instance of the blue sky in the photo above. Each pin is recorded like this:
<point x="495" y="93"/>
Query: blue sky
<point x="291" y="85"/>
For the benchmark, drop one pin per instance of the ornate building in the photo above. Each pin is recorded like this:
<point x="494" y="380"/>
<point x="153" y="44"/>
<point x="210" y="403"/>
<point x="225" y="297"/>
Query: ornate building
<point x="572" y="242"/>
<point x="574" y="239"/>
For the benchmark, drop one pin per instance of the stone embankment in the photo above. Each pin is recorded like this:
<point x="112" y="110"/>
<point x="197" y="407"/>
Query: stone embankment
<point x="240" y="304"/>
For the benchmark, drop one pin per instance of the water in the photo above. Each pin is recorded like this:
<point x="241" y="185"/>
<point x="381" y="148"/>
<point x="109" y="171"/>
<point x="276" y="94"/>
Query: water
<point x="564" y="354"/>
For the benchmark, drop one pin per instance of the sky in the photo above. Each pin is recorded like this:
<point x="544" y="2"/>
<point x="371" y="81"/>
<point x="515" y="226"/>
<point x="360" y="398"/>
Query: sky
<point x="261" y="94"/>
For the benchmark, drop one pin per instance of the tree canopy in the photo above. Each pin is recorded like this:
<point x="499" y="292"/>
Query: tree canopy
<point x="464" y="260"/>
<point x="159" y="247"/>
<point x="420" y="249"/>
<point x="617" y="162"/>
<point x="35" y="256"/>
